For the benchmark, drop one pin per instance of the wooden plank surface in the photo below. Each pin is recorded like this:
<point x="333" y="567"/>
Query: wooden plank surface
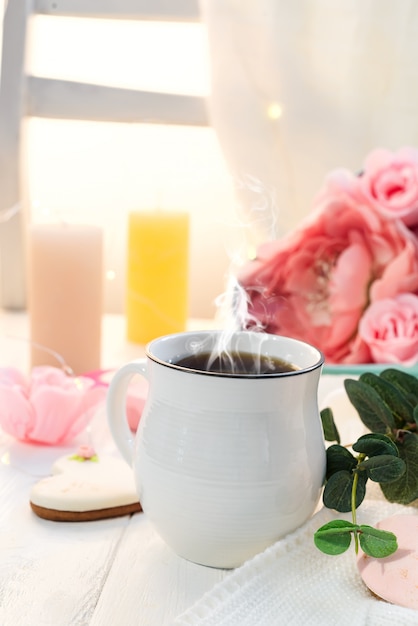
<point x="148" y="584"/>
<point x="50" y="573"/>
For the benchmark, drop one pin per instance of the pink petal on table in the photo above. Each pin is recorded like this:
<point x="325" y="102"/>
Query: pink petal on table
<point x="17" y="416"/>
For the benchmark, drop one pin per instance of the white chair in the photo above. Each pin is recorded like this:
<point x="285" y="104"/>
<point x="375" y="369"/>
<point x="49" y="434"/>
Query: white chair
<point x="22" y="95"/>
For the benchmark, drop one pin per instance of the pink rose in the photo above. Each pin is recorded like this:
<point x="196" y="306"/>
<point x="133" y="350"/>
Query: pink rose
<point x="50" y="407"/>
<point x="316" y="282"/>
<point x="389" y="327"/>
<point x="390" y="183"/>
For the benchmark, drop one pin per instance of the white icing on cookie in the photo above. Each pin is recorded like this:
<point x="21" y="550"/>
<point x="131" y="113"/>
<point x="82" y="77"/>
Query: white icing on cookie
<point x="86" y="485"/>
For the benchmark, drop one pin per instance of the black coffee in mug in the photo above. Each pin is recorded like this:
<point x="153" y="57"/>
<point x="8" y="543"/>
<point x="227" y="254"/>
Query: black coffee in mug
<point x="239" y="363"/>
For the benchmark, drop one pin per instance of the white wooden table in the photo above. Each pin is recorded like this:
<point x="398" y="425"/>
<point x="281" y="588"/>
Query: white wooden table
<point x="114" y="572"/>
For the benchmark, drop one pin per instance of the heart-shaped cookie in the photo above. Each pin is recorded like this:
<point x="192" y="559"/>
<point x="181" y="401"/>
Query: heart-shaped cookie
<point x="84" y="488"/>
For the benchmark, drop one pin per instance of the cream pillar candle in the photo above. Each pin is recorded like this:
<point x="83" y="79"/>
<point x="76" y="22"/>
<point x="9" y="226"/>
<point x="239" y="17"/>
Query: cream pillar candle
<point x="65" y="293"/>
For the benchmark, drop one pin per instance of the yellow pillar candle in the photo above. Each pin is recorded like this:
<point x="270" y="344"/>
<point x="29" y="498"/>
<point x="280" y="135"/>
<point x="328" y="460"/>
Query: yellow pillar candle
<point x="157" y="274"/>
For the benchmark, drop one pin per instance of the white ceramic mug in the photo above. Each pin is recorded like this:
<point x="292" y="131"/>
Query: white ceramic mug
<point x="224" y="464"/>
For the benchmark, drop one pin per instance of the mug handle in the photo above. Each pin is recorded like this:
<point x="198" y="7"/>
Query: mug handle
<point x="116" y="406"/>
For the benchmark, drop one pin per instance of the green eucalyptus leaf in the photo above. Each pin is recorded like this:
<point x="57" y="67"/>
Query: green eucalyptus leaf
<point x="374" y="444"/>
<point x="337" y="491"/>
<point x="339" y="458"/>
<point x="405" y="489"/>
<point x="404" y="382"/>
<point x="377" y="543"/>
<point x="334" y="537"/>
<point x="328" y="425"/>
<point x="372" y="410"/>
<point x="415" y="414"/>
<point x="394" y="399"/>
<point x="384" y="468"/>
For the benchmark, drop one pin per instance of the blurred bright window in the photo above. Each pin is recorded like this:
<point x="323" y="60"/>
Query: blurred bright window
<point x="97" y="172"/>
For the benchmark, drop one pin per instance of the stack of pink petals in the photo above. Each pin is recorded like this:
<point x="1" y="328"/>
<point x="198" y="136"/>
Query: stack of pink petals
<point x="49" y="407"/>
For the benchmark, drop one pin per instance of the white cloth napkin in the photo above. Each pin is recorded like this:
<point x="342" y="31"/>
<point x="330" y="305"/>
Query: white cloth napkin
<point x="293" y="583"/>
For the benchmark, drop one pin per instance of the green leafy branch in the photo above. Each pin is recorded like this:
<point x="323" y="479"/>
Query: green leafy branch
<point x="387" y="405"/>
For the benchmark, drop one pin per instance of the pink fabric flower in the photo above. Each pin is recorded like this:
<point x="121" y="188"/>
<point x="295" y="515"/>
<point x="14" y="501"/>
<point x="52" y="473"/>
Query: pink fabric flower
<point x="135" y="398"/>
<point x="390" y="183"/>
<point x="50" y="407"/>
<point x="389" y="327"/>
<point x="316" y="283"/>
<point x="135" y="401"/>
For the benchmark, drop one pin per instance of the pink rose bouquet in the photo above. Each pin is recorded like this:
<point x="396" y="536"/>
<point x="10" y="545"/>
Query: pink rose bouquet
<point x="346" y="280"/>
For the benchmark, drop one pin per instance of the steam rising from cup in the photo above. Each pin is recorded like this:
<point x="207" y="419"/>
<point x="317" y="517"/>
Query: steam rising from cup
<point x="255" y="225"/>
